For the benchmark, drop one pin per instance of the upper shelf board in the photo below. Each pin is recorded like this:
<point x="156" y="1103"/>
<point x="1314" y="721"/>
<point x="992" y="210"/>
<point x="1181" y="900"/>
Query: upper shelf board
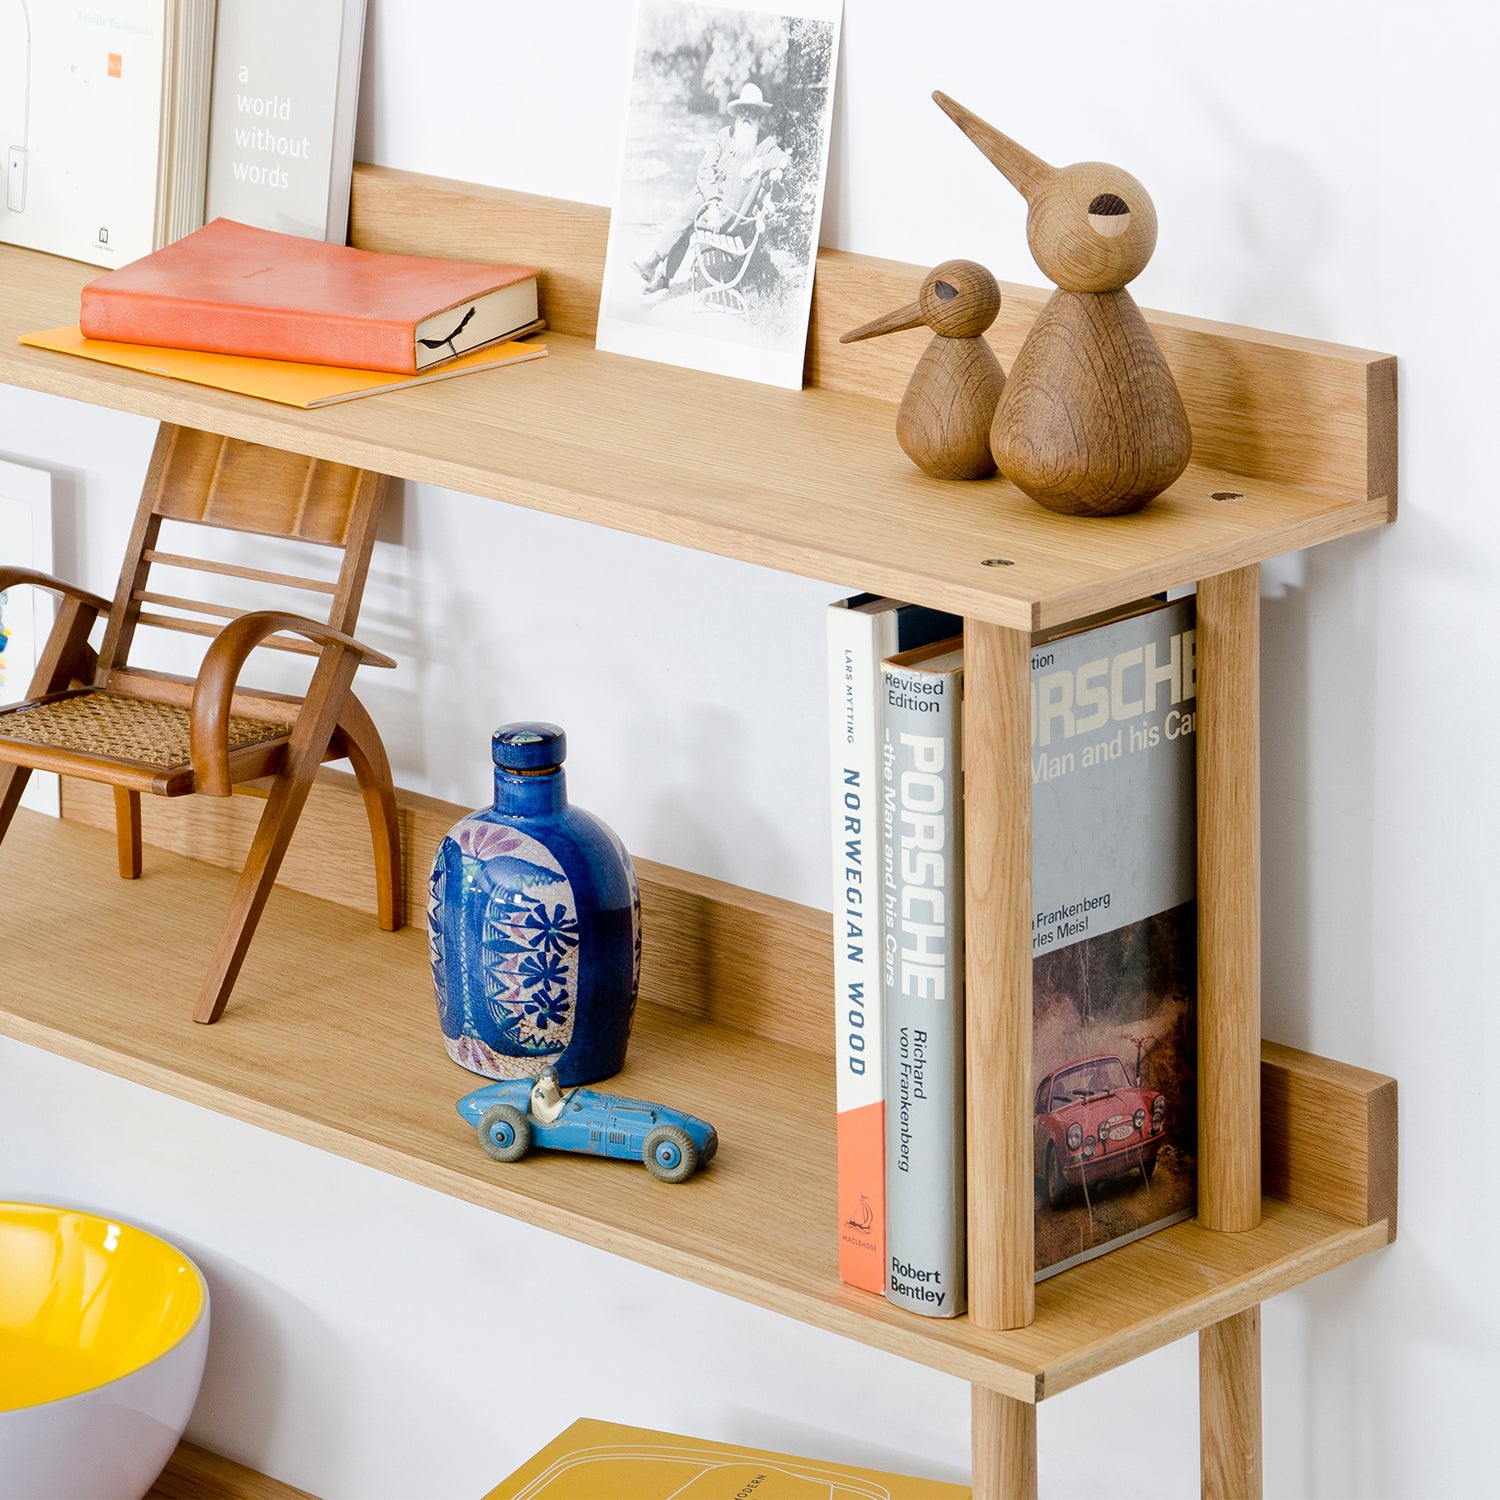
<point x="1294" y="440"/>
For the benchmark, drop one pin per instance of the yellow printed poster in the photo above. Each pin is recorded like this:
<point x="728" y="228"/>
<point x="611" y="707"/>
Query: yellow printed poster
<point x="592" y="1460"/>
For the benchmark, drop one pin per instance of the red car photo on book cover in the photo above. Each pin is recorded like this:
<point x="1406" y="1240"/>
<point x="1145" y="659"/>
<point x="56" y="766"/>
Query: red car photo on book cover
<point x="1094" y="1120"/>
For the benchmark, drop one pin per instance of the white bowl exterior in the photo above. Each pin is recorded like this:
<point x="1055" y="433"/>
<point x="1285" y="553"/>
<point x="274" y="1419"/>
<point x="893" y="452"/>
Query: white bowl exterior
<point x="110" y="1443"/>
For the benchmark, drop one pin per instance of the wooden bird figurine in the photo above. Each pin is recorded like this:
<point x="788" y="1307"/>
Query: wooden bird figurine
<point x="1091" y="422"/>
<point x="944" y="419"/>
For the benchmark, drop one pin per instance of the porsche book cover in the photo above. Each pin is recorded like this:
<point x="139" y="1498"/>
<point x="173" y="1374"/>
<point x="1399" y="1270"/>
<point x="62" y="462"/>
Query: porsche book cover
<point x="1114" y="928"/>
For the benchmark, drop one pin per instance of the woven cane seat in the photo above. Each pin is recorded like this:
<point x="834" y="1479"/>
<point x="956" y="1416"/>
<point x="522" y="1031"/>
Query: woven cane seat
<point x="153" y="735"/>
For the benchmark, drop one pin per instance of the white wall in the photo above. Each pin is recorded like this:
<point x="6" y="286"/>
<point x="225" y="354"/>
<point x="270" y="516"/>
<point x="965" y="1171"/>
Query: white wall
<point x="1320" y="169"/>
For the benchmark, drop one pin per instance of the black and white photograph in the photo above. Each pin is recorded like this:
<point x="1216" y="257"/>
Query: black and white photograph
<point x="714" y="232"/>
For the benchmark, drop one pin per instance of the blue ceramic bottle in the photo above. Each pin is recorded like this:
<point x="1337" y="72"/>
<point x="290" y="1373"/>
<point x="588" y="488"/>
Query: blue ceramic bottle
<point x="534" y="921"/>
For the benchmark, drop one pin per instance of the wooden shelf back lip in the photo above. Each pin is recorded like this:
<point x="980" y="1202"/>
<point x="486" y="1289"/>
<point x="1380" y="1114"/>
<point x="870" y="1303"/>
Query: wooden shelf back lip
<point x="1264" y="405"/>
<point x="351" y="1063"/>
<point x="1299" y="434"/>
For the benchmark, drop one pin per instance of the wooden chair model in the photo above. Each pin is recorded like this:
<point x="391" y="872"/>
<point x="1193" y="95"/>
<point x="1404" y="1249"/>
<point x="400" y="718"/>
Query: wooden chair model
<point x="96" y="715"/>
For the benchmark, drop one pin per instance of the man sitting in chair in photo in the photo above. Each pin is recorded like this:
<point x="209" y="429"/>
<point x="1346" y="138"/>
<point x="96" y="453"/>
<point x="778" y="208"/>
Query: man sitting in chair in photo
<point x="738" y="165"/>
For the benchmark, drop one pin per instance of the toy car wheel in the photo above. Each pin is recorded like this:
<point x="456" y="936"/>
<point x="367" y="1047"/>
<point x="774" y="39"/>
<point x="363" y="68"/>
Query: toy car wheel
<point x="670" y="1154"/>
<point x="1058" y="1190"/>
<point x="504" y="1132"/>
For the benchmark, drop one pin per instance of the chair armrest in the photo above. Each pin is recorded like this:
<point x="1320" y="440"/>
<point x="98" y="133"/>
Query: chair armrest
<point x="11" y="577"/>
<point x="219" y="674"/>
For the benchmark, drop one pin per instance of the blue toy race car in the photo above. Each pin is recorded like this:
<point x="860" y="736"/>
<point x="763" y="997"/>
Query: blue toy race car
<point x="515" y="1114"/>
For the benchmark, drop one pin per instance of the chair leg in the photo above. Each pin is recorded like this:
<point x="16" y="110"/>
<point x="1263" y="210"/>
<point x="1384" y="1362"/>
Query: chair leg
<point x="65" y="656"/>
<point x="128" y="832"/>
<point x="272" y="835"/>
<point x="305" y="753"/>
<point x="13" y="781"/>
<point x="358" y="738"/>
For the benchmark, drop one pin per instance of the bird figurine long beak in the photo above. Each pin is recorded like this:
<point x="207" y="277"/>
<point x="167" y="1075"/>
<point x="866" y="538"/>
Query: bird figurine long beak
<point x="1026" y="173"/>
<point x="899" y="321"/>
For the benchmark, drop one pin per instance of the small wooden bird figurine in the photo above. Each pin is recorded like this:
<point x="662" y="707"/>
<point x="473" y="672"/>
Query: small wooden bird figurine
<point x="1091" y="422"/>
<point x="944" y="419"/>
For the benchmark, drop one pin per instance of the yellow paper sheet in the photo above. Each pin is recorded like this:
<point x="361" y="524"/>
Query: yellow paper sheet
<point x="593" y="1460"/>
<point x="271" y="379"/>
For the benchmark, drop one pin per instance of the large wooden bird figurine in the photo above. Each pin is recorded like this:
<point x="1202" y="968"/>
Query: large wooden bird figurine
<point x="943" y="422"/>
<point x="1090" y="422"/>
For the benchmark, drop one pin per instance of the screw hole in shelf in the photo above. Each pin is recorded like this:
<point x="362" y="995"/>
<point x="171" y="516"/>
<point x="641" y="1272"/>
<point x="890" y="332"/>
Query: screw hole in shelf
<point x="1227" y="497"/>
<point x="999" y="562"/>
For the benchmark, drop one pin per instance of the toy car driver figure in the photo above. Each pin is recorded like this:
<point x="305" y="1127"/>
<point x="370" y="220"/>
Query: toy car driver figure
<point x="546" y="1097"/>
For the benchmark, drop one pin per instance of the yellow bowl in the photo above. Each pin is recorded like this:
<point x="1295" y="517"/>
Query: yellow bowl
<point x="103" y="1331"/>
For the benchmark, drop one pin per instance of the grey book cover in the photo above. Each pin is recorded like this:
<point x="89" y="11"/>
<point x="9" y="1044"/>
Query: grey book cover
<point x="922" y="973"/>
<point x="281" y="124"/>
<point x="1114" y="872"/>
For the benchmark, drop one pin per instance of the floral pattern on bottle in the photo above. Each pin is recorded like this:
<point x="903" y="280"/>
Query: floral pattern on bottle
<point x="527" y="958"/>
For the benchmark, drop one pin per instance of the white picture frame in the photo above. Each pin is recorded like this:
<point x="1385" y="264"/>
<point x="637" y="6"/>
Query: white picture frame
<point x="713" y="239"/>
<point x="26" y="614"/>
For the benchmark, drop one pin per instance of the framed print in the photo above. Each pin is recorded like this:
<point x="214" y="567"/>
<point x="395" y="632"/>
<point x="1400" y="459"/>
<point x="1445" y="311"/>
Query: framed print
<point x="26" y="614"/>
<point x="714" y="235"/>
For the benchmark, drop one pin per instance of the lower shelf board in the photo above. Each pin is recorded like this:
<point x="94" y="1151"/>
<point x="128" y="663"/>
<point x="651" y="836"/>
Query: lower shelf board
<point x="331" y="1038"/>
<point x="196" y="1474"/>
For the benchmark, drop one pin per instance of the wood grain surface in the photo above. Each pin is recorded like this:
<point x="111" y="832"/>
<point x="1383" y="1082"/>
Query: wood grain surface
<point x="1090" y="422"/>
<point x="998" y="964"/>
<point x="943" y="422"/>
<point x="1229" y="1408"/>
<point x="1340" y="1152"/>
<point x="1229" y="876"/>
<point x="193" y="1473"/>
<point x="1003" y="1437"/>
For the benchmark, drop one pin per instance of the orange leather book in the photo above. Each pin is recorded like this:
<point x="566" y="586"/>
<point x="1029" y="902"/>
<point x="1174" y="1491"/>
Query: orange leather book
<point x="231" y="289"/>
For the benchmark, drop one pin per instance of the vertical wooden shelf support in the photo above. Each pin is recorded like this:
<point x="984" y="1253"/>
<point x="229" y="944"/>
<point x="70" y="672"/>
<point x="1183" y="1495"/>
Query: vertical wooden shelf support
<point x="1228" y="636"/>
<point x="1229" y="1407"/>
<point x="997" y="926"/>
<point x="1004" y="1445"/>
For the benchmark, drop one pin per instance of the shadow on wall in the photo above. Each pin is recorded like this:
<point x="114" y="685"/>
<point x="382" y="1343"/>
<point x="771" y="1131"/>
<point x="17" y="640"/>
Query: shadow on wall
<point x="243" y="1403"/>
<point x="1318" y="709"/>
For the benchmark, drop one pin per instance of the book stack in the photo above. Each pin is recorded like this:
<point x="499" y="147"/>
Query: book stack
<point x="1113" y="941"/>
<point x="300" y="321"/>
<point x="104" y="117"/>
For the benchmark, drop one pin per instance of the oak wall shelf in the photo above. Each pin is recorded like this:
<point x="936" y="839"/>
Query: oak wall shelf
<point x="1295" y="445"/>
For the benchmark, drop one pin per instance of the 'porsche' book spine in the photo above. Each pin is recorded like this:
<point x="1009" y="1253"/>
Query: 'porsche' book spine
<point x="922" y="970"/>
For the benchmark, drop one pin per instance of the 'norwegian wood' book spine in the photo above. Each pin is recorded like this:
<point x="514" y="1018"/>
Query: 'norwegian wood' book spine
<point x="922" y="963"/>
<point x="862" y="631"/>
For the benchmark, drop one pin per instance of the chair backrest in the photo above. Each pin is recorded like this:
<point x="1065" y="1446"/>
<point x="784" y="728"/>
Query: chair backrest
<point x="215" y="482"/>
